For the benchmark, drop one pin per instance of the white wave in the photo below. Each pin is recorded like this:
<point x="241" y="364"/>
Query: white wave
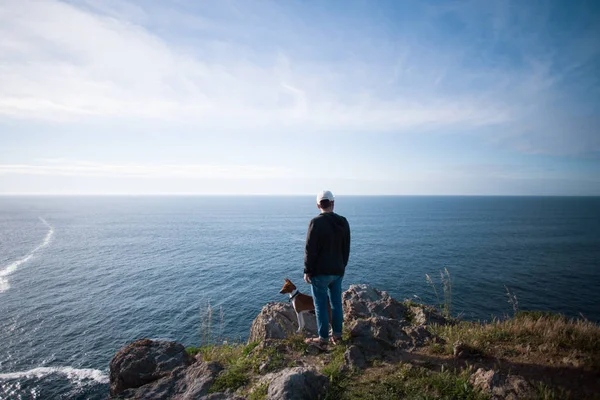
<point x="12" y="267"/>
<point x="73" y="374"/>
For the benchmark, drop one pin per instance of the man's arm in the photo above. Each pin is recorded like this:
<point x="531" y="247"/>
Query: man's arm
<point x="347" y="244"/>
<point x="311" y="249"/>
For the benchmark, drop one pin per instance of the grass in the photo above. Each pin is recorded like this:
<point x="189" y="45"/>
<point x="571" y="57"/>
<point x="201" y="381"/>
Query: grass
<point x="233" y="378"/>
<point x="407" y="382"/>
<point x="242" y="362"/>
<point x="333" y="369"/>
<point x="259" y="393"/>
<point x="207" y="328"/>
<point x="528" y="337"/>
<point x="446" y="286"/>
<point x="528" y="332"/>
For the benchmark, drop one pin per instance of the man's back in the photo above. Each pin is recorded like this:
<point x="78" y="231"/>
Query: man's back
<point x="327" y="245"/>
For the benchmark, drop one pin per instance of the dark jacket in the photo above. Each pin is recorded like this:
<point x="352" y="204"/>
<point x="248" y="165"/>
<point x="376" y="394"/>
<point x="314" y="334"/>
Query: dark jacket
<point x="327" y="245"/>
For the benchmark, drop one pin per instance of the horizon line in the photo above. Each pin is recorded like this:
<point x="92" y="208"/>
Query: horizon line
<point x="277" y="195"/>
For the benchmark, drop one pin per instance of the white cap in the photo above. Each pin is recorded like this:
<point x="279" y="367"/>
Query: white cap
<point x="325" y="195"/>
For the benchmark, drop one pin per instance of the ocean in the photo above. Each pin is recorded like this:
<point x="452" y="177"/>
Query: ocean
<point x="82" y="276"/>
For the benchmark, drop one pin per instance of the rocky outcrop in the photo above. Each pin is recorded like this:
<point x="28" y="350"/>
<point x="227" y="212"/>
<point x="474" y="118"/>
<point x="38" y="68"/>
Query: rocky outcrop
<point x="279" y="321"/>
<point x="297" y="383"/>
<point x="145" y="361"/>
<point x="148" y="369"/>
<point x="464" y="351"/>
<point x="364" y="301"/>
<point x="354" y="358"/>
<point x="511" y="387"/>
<point x="380" y="327"/>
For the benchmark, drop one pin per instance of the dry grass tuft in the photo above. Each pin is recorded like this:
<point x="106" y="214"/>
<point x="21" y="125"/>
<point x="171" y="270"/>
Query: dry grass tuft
<point x="528" y="333"/>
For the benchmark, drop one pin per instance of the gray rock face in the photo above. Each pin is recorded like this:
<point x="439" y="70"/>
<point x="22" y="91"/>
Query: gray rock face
<point x="512" y="387"/>
<point x="278" y="321"/>
<point x="378" y="323"/>
<point x="222" y="396"/>
<point x="464" y="351"/>
<point x="297" y="383"/>
<point x="364" y="301"/>
<point x="155" y="370"/>
<point x="354" y="358"/>
<point x="423" y="315"/>
<point x="197" y="380"/>
<point x="145" y="361"/>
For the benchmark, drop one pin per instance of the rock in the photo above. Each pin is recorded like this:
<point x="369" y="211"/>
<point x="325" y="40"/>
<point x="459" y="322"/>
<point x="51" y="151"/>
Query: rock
<point x="424" y="315"/>
<point x="517" y="385"/>
<point x="380" y="335"/>
<point x="313" y="349"/>
<point x="381" y="326"/>
<point x="354" y="358"/>
<point x="182" y="383"/>
<point x="419" y="335"/>
<point x="198" y="379"/>
<point x="145" y="361"/>
<point x="364" y="301"/>
<point x="484" y="380"/>
<point x="512" y="387"/>
<point x="297" y="383"/>
<point x="161" y="389"/>
<point x="222" y="396"/>
<point x="278" y="321"/>
<point x="464" y="351"/>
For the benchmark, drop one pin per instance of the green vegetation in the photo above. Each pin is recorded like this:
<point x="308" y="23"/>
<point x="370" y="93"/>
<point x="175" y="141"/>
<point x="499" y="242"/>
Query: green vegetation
<point x="526" y="334"/>
<point x="529" y="338"/>
<point x="259" y="393"/>
<point x="243" y="362"/>
<point x="232" y="378"/>
<point x="407" y="382"/>
<point x="334" y="367"/>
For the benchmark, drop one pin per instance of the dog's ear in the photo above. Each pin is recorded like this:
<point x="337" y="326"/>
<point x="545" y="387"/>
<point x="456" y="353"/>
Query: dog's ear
<point x="286" y="279"/>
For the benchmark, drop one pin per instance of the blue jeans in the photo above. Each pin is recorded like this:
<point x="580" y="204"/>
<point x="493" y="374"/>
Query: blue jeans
<point x="325" y="288"/>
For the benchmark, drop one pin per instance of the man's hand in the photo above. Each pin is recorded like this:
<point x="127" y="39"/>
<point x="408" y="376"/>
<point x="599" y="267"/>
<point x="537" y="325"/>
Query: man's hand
<point x="307" y="278"/>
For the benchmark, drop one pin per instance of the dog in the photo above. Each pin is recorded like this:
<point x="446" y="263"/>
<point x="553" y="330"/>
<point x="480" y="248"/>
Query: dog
<point x="302" y="303"/>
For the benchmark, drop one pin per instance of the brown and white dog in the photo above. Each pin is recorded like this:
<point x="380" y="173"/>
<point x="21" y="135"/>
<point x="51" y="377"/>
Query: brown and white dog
<point x="302" y="303"/>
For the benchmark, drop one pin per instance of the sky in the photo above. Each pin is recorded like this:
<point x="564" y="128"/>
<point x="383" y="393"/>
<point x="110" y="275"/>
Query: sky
<point x="290" y="97"/>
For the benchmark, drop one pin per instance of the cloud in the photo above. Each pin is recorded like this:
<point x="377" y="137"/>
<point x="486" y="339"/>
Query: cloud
<point x="65" y="63"/>
<point x="192" y="171"/>
<point x="464" y="68"/>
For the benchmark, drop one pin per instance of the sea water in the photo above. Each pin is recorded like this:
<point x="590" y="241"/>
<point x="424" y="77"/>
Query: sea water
<point x="82" y="276"/>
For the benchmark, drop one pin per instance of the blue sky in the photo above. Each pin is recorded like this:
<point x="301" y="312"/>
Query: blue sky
<point x="245" y="97"/>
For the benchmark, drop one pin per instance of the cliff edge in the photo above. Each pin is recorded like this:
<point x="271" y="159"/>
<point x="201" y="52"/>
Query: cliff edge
<point x="391" y="350"/>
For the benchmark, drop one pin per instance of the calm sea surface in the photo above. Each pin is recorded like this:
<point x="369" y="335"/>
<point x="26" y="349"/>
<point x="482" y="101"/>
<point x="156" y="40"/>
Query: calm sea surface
<point x="82" y="276"/>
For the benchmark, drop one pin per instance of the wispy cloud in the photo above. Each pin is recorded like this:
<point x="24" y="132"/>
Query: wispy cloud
<point x="65" y="63"/>
<point x="92" y="169"/>
<point x="262" y="90"/>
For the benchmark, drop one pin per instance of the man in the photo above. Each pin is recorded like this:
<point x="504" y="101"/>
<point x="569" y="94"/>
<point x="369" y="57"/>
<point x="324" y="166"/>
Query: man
<point x="325" y="259"/>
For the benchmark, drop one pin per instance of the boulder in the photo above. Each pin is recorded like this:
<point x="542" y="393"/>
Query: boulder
<point x="278" y="321"/>
<point x="298" y="383"/>
<point x="511" y="387"/>
<point x="145" y="361"/>
<point x="182" y="383"/>
<point x="464" y="351"/>
<point x="222" y="396"/>
<point x="198" y="379"/>
<point x="484" y="380"/>
<point x="424" y="315"/>
<point x="364" y="301"/>
<point x="354" y="358"/>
